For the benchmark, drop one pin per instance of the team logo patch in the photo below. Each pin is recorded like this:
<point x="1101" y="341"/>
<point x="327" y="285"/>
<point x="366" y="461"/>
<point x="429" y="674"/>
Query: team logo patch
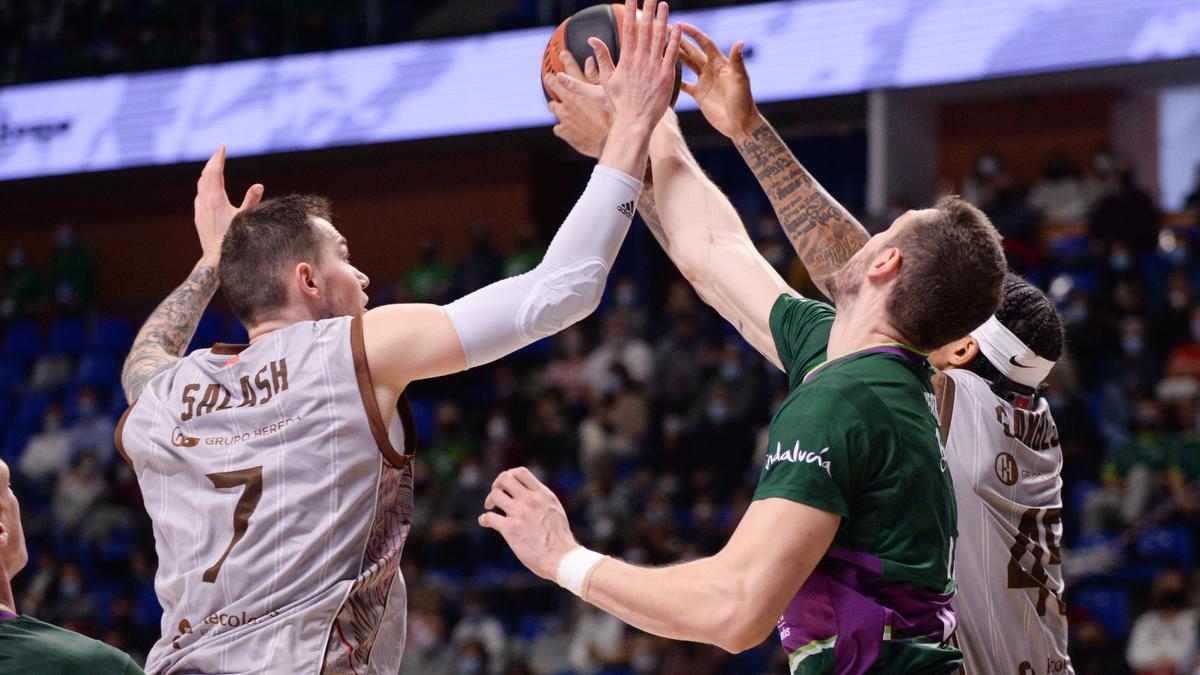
<point x="179" y="440"/>
<point x="1006" y="468"/>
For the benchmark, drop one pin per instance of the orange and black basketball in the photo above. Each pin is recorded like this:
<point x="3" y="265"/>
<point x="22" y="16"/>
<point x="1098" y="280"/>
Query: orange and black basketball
<point x="598" y="21"/>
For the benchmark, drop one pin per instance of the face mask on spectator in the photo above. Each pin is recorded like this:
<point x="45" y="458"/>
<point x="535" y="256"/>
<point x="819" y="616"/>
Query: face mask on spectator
<point x="987" y="166"/>
<point x="1076" y="312"/>
<point x="1120" y="260"/>
<point x="1177" y="299"/>
<point x="626" y="296"/>
<point x="70" y="588"/>
<point x="52" y="423"/>
<point x="497" y="430"/>
<point x="87" y="408"/>
<point x="469" y="665"/>
<point x="1132" y="344"/>
<point x="718" y="411"/>
<point x="730" y="370"/>
<point x="643" y="661"/>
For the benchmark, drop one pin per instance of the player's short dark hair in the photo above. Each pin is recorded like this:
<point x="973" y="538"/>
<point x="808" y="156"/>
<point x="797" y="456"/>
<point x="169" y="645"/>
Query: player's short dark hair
<point x="951" y="273"/>
<point x="1032" y="317"/>
<point x="262" y="245"/>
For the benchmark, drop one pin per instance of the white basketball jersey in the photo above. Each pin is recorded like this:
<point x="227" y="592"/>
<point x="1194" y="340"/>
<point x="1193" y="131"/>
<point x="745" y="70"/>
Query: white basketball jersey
<point x="1005" y="462"/>
<point x="280" y="506"/>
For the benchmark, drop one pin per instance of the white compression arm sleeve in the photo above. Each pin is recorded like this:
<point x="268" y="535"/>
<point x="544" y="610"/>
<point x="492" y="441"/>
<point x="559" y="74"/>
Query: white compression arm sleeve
<point x="565" y="287"/>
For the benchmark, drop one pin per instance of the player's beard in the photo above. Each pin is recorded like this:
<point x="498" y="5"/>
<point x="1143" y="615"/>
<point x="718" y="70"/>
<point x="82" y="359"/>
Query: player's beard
<point x="845" y="283"/>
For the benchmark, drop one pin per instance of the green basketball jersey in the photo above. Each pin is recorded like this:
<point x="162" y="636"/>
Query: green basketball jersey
<point x="858" y="436"/>
<point x="33" y="647"/>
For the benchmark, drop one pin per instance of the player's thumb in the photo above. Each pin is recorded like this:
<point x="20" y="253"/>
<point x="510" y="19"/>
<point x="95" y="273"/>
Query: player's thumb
<point x="253" y="196"/>
<point x="603" y="58"/>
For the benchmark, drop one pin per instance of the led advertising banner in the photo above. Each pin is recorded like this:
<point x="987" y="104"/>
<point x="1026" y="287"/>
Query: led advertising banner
<point x="798" y="49"/>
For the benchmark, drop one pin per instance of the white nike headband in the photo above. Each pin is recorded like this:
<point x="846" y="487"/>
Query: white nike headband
<point x="1009" y="355"/>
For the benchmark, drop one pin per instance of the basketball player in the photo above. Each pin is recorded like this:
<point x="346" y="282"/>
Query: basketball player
<point x="1003" y="447"/>
<point x="31" y="646"/>
<point x="277" y="474"/>
<point x="848" y="545"/>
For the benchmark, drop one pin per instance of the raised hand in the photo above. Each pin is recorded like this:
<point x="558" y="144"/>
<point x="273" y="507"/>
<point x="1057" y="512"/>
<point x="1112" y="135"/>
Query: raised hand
<point x="583" y="117"/>
<point x="533" y="524"/>
<point x="213" y="210"/>
<point x="639" y="89"/>
<point x="722" y="87"/>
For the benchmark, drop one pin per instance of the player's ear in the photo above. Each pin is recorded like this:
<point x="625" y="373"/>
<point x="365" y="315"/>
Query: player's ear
<point x="305" y="278"/>
<point x="886" y="264"/>
<point x="963" y="352"/>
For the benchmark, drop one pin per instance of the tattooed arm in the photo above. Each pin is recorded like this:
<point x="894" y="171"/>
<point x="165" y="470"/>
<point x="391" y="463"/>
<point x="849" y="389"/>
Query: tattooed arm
<point x="823" y="233"/>
<point x="166" y="334"/>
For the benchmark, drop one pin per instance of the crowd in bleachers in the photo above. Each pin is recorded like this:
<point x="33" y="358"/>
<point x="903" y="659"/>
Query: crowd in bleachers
<point x="647" y="420"/>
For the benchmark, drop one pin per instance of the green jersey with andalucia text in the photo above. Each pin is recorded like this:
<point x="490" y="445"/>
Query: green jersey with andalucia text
<point x="858" y="436"/>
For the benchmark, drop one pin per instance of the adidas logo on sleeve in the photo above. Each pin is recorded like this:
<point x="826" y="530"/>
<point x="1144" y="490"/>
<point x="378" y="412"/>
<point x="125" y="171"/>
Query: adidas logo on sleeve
<point x="626" y="209"/>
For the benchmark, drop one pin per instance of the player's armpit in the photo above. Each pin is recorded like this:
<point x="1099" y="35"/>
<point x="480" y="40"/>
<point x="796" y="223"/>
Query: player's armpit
<point x="407" y="342"/>
<point x="733" y="599"/>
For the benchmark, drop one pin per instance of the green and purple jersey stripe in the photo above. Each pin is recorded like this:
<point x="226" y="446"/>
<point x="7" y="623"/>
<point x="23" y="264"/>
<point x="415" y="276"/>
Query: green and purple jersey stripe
<point x="857" y="436"/>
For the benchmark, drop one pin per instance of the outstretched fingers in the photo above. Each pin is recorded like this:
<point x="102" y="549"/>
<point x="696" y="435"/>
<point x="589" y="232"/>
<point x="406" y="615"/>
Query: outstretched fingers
<point x="692" y="56"/>
<point x="604" y="61"/>
<point x="659" y="29"/>
<point x="672" y="50"/>
<point x="738" y="58"/>
<point x="629" y="26"/>
<point x="711" y="50"/>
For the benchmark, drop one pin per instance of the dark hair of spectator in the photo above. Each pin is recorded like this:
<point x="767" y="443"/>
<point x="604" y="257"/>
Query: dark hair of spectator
<point x="950" y="276"/>
<point x="262" y="244"/>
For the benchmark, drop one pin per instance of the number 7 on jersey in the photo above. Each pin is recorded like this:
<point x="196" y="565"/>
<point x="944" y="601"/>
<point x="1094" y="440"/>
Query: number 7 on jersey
<point x="252" y="480"/>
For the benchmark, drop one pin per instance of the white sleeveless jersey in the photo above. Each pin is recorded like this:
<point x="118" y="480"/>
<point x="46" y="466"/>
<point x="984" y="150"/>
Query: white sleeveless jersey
<point x="1005" y="463"/>
<point x="280" y="506"/>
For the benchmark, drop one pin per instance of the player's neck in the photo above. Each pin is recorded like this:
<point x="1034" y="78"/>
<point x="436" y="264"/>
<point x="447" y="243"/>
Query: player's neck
<point x="859" y="325"/>
<point x="286" y="318"/>
<point x="6" y="594"/>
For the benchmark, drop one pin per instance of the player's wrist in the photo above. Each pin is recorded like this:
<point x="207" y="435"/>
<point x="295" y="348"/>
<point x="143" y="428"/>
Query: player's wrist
<point x="575" y="568"/>
<point x="748" y="126"/>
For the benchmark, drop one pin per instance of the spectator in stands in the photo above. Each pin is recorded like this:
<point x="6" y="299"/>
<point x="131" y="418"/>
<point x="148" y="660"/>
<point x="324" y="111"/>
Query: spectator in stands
<point x="1132" y="473"/>
<point x="1102" y="178"/>
<point x="1165" y="635"/>
<point x="1125" y="219"/>
<point x="1059" y="196"/>
<point x="72" y="278"/>
<point x="527" y="252"/>
<point x="479" y="638"/>
<point x="31" y="646"/>
<point x="620" y="347"/>
<point x="1093" y="650"/>
<point x="93" y="430"/>
<point x="598" y="643"/>
<point x="979" y="187"/>
<point x="78" y="490"/>
<point x="482" y="264"/>
<point x="23" y="291"/>
<point x="430" y="279"/>
<point x="1173" y="322"/>
<point x="48" y="452"/>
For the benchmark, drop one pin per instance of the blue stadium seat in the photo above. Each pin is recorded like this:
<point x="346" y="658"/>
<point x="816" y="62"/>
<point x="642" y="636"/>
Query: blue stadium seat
<point x="1107" y="604"/>
<point x="12" y="375"/>
<point x="66" y="338"/>
<point x="22" y="342"/>
<point x="208" y="331"/>
<point x="99" y="371"/>
<point x="1169" y="545"/>
<point x="31" y="408"/>
<point x="112" y="335"/>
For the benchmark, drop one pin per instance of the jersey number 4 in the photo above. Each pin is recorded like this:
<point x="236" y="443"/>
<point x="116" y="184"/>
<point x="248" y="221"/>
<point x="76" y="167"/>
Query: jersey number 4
<point x="1030" y="538"/>
<point x="252" y="480"/>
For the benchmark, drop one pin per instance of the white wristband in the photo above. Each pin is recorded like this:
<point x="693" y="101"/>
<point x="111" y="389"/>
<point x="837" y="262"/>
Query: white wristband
<point x="574" y="567"/>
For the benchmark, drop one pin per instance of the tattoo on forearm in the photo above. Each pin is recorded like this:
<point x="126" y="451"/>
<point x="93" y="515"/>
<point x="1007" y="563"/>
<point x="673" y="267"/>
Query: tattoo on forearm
<point x="166" y="334"/>
<point x="823" y="233"/>
<point x="649" y="211"/>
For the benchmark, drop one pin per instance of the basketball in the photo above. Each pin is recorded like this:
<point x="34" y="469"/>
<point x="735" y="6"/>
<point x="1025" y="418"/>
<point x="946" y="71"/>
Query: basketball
<point x="598" y="21"/>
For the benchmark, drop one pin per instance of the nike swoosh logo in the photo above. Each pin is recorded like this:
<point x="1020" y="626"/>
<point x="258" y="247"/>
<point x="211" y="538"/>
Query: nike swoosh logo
<point x="1013" y="360"/>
